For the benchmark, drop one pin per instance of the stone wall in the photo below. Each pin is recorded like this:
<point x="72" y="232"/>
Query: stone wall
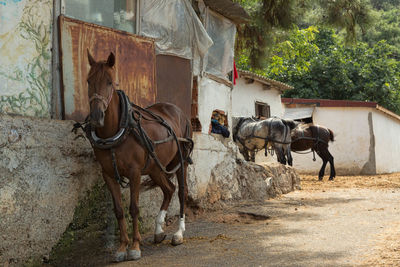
<point x="45" y="173"/>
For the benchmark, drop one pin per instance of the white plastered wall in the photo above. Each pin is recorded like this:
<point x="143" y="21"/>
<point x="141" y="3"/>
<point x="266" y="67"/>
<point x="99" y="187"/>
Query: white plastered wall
<point x="211" y="149"/>
<point x="351" y="148"/>
<point x="245" y="95"/>
<point x="213" y="95"/>
<point x="387" y="142"/>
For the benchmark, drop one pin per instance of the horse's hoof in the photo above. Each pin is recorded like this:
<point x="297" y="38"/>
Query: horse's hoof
<point x="120" y="256"/>
<point x="331" y="178"/>
<point x="320" y="178"/>
<point x="158" y="238"/>
<point x="134" y="255"/>
<point x="177" y="240"/>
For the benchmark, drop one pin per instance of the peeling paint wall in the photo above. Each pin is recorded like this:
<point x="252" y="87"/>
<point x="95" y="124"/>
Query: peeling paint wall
<point x="245" y="95"/>
<point x="25" y="69"/>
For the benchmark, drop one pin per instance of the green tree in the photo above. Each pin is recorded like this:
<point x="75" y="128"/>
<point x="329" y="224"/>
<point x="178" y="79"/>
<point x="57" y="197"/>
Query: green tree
<point x="270" y="17"/>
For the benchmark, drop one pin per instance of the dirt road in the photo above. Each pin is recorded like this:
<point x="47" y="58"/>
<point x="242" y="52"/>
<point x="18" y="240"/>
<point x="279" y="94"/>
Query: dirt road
<point x="353" y="221"/>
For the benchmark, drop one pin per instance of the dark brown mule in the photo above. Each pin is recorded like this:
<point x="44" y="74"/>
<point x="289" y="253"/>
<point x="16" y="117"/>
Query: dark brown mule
<point x="316" y="138"/>
<point x="130" y="157"/>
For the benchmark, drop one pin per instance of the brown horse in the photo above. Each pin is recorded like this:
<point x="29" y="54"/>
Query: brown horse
<point x="156" y="140"/>
<point x="316" y="138"/>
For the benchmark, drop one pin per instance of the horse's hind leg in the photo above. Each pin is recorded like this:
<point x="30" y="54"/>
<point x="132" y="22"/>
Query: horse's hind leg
<point x="252" y="155"/>
<point x="177" y="238"/>
<point x="322" y="155"/>
<point x="330" y="159"/>
<point x="280" y="154"/>
<point x="289" y="155"/>
<point x="115" y="190"/>
<point x="168" y="189"/>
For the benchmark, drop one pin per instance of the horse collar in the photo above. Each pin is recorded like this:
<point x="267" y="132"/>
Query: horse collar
<point x="108" y="143"/>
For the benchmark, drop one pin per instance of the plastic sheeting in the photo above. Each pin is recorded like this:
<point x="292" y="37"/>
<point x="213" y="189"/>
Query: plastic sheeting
<point x="219" y="59"/>
<point x="175" y="26"/>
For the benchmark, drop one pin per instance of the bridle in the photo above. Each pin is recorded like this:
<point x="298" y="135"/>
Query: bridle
<point x="105" y="101"/>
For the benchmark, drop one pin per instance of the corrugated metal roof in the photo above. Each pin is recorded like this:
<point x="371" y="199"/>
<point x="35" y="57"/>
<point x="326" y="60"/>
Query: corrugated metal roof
<point x="229" y="9"/>
<point x="264" y="80"/>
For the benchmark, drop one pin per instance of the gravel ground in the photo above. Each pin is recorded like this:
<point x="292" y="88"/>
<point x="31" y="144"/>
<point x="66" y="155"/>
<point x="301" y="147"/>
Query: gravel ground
<point x="353" y="221"/>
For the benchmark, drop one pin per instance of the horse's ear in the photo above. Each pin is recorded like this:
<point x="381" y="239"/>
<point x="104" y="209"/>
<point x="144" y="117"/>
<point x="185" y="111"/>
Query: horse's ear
<point x="111" y="60"/>
<point x="91" y="59"/>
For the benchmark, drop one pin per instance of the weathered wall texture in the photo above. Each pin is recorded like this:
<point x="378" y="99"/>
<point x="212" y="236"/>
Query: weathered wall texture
<point x="44" y="173"/>
<point x="213" y="95"/>
<point x="245" y="95"/>
<point x="221" y="174"/>
<point x="25" y="43"/>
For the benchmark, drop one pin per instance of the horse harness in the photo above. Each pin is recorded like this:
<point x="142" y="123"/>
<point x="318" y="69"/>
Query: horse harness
<point x="266" y="139"/>
<point x="316" y="140"/>
<point x="131" y="116"/>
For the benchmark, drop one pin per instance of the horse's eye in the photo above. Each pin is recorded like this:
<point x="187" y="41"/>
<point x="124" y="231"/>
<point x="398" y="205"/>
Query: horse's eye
<point x="109" y="83"/>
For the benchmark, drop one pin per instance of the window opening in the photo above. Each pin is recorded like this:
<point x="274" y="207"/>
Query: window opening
<point x="116" y="14"/>
<point x="263" y="110"/>
<point x="219" y="123"/>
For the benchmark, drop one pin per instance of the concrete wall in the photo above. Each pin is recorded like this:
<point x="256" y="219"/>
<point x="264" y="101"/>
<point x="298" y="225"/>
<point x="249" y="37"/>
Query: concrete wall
<point x="213" y="95"/>
<point x="353" y="149"/>
<point x="386" y="130"/>
<point x="25" y="52"/>
<point x="245" y="95"/>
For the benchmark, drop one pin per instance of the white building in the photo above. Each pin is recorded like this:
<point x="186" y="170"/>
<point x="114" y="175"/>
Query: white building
<point x="256" y="95"/>
<point x="366" y="135"/>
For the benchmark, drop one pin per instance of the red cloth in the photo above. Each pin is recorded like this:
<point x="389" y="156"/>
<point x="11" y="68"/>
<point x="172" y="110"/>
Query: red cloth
<point x="235" y="73"/>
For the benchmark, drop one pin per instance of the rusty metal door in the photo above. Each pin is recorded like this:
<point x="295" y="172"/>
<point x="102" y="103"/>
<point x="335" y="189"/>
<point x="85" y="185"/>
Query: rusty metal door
<point x="135" y="64"/>
<point x="174" y="82"/>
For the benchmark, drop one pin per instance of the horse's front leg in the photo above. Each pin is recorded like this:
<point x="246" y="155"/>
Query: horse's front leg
<point x="134" y="252"/>
<point x="115" y="190"/>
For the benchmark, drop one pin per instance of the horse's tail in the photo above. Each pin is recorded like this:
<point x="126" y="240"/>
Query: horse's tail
<point x="331" y="135"/>
<point x="291" y="123"/>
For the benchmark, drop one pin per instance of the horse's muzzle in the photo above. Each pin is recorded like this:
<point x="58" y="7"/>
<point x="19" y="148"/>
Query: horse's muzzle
<point x="97" y="118"/>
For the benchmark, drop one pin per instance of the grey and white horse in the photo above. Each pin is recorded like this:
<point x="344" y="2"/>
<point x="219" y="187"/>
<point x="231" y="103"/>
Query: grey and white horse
<point x="252" y="135"/>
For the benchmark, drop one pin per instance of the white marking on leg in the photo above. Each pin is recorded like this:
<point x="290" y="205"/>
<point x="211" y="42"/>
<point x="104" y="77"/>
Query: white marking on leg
<point x="181" y="229"/>
<point x="160" y="220"/>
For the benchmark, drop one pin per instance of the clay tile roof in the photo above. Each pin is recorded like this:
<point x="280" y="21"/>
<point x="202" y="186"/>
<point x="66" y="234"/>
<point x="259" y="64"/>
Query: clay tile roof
<point x="292" y="102"/>
<point x="229" y="9"/>
<point x="328" y="102"/>
<point x="264" y="80"/>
